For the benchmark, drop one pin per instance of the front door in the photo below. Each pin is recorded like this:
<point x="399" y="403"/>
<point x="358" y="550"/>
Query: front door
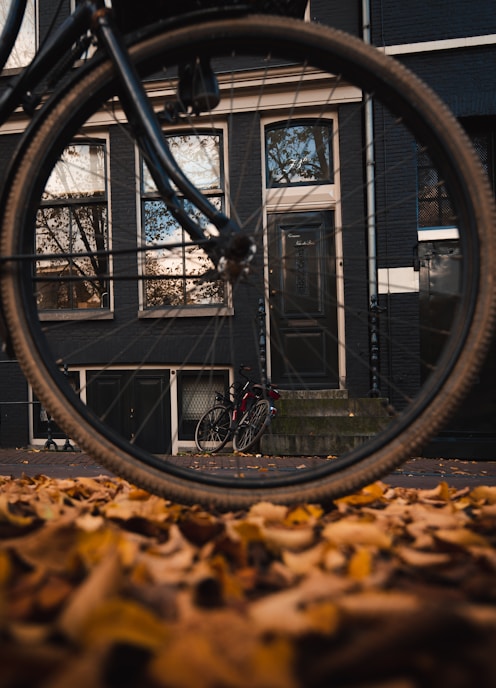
<point x="135" y="404"/>
<point x="302" y="284"/>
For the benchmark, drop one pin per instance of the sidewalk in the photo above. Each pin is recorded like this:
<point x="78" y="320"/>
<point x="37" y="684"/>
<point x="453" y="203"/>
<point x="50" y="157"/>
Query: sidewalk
<point x="419" y="472"/>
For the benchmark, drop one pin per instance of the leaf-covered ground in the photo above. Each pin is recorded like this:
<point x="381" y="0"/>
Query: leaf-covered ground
<point x="103" y="584"/>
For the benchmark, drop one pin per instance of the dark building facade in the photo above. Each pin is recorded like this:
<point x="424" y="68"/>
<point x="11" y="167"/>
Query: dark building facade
<point x="452" y="48"/>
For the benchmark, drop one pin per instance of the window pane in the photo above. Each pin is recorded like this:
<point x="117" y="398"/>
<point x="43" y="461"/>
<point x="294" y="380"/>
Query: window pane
<point x="299" y="154"/>
<point x="198" y="156"/>
<point x="25" y="46"/>
<point x="71" y="231"/>
<point x="434" y="206"/>
<point x="175" y="259"/>
<point x="79" y="172"/>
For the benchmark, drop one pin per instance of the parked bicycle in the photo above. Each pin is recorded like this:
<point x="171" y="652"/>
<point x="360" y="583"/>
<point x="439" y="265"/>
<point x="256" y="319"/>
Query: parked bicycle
<point x="173" y="170"/>
<point x="243" y="415"/>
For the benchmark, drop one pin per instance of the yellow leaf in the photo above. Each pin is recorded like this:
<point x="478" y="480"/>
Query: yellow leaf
<point x="323" y="617"/>
<point x="124" y="621"/>
<point x="367" y="495"/>
<point x="307" y="514"/>
<point x="248" y="531"/>
<point x="93" y="546"/>
<point x="360" y="565"/>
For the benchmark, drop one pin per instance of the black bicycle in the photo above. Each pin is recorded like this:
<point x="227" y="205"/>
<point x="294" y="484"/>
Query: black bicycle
<point x="246" y="149"/>
<point x="243" y="415"/>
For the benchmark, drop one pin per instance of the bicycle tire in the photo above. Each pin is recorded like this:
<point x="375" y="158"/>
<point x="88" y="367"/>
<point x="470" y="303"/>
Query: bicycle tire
<point x="41" y="352"/>
<point x="213" y="430"/>
<point x="252" y="426"/>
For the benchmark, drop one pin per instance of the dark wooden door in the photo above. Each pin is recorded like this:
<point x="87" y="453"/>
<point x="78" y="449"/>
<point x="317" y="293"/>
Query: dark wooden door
<point x="303" y="327"/>
<point x="135" y="404"/>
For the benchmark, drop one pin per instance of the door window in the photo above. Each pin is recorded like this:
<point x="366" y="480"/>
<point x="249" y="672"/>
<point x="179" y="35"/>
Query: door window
<point x="299" y="153"/>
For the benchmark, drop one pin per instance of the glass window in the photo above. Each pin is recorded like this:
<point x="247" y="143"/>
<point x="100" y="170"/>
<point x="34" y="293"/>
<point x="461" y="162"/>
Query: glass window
<point x="72" y="232"/>
<point x="196" y="392"/>
<point x="299" y="153"/>
<point x="25" y="46"/>
<point x="173" y="263"/>
<point x="434" y="206"/>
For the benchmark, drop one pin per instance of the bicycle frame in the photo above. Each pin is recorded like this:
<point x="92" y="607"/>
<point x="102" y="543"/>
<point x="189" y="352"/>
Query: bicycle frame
<point x="93" y="19"/>
<point x="241" y="397"/>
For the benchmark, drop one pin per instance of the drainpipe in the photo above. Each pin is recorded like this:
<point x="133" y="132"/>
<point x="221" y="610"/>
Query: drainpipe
<point x="371" y="222"/>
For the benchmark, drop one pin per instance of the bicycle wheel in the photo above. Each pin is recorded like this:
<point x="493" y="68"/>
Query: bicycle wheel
<point x="212" y="431"/>
<point x="252" y="426"/>
<point x="111" y="310"/>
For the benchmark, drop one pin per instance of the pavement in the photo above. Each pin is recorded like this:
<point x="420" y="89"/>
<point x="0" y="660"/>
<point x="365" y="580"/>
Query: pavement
<point x="422" y="473"/>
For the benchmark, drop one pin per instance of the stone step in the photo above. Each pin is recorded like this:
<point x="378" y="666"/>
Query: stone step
<point x="322" y="423"/>
<point x="328" y="425"/>
<point x="317" y="407"/>
<point x="275" y="444"/>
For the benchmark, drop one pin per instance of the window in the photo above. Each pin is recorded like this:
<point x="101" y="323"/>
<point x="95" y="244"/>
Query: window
<point x="434" y="207"/>
<point x="25" y="46"/>
<point x="196" y="392"/>
<point x="74" y="220"/>
<point x="299" y="153"/>
<point x="433" y="204"/>
<point x="484" y="143"/>
<point x="171" y="257"/>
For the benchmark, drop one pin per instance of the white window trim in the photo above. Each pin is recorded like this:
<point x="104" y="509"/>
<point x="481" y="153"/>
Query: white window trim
<point x="404" y="280"/>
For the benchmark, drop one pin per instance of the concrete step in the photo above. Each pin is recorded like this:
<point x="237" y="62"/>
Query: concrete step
<point x="274" y="444"/>
<point x="322" y="423"/>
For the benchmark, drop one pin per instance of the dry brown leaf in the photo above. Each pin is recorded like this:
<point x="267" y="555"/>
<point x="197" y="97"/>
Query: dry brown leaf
<point x="9" y="514"/>
<point x="103" y="581"/>
<point x="442" y="492"/>
<point x="285" y="611"/>
<point x="52" y="548"/>
<point x="293" y="539"/>
<point x="351" y="531"/>
<point x="304" y="562"/>
<point x="462" y="537"/>
<point x="192" y="598"/>
<point x="119" y="620"/>
<point x="367" y="495"/>
<point x="268" y="511"/>
<point x="484" y="494"/>
<point x="415" y="557"/>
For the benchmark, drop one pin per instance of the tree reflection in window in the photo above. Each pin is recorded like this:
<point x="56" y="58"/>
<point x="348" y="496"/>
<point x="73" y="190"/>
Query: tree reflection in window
<point x="72" y="232"/>
<point x="171" y="256"/>
<point x="433" y="203"/>
<point x="299" y="153"/>
<point x="25" y="45"/>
